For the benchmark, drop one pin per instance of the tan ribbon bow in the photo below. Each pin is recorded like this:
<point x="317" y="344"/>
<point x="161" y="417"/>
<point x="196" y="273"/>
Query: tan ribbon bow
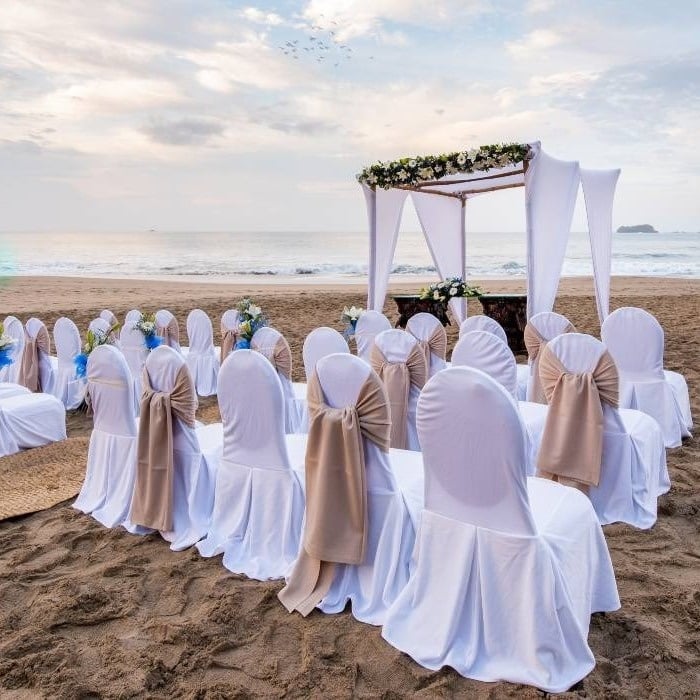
<point x="397" y="378"/>
<point x="170" y="332"/>
<point x="436" y="344"/>
<point x="152" y="502"/>
<point x="229" y="338"/>
<point x="572" y="441"/>
<point x="280" y="357"/>
<point x="29" y="368"/>
<point x="336" y="490"/>
<point x="534" y="343"/>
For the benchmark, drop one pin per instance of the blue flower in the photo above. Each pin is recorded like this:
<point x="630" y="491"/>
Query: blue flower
<point x="80" y="362"/>
<point x="242" y="344"/>
<point x="152" y="341"/>
<point x="5" y="358"/>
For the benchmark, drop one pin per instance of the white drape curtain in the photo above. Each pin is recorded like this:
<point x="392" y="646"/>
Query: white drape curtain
<point x="551" y="187"/>
<point x="442" y="221"/>
<point x="599" y="194"/>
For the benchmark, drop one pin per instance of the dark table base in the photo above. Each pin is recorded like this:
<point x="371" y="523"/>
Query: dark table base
<point x="510" y="310"/>
<point x="411" y="304"/>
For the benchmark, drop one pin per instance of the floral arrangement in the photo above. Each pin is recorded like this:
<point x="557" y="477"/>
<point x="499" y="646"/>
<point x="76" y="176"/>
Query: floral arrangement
<point x="251" y="319"/>
<point x="413" y="171"/>
<point x="93" y="340"/>
<point x="147" y="325"/>
<point x="6" y="343"/>
<point x="450" y="288"/>
<point x="349" y="318"/>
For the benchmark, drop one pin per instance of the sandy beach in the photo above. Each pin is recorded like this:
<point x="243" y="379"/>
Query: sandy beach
<point x="87" y="612"/>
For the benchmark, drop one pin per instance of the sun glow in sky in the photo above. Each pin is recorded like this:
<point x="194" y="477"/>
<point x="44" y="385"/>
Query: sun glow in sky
<point x="211" y="115"/>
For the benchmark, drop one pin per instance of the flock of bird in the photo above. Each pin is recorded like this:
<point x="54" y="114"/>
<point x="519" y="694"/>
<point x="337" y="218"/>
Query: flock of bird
<point x="322" y="46"/>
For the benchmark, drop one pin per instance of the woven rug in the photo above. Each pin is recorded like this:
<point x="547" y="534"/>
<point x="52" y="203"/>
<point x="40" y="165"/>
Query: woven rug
<point x="37" y="479"/>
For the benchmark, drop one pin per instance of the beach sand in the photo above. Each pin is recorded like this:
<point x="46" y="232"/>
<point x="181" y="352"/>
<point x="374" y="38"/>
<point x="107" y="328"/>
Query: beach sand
<point x="87" y="612"/>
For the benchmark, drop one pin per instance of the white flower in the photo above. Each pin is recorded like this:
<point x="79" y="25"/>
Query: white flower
<point x="436" y="295"/>
<point x="372" y="179"/>
<point x="425" y="173"/>
<point x="411" y="163"/>
<point x="472" y="153"/>
<point x="6" y="341"/>
<point x="253" y="310"/>
<point x="461" y="159"/>
<point x="402" y="175"/>
<point x="453" y="291"/>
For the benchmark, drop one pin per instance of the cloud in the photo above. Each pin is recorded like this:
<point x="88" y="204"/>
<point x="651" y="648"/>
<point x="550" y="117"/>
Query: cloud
<point x="257" y="16"/>
<point x="192" y="131"/>
<point x="534" y="43"/>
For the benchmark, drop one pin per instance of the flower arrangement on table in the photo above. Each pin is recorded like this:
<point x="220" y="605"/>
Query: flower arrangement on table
<point x="147" y="325"/>
<point x="93" y="340"/>
<point x="349" y="318"/>
<point x="6" y="343"/>
<point x="450" y="288"/>
<point x="251" y="319"/>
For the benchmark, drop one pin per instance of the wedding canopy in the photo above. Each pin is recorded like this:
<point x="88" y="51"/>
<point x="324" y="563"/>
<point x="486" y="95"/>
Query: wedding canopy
<point x="440" y="187"/>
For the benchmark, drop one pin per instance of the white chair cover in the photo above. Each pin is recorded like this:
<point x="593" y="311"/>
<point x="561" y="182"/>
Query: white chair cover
<point x="370" y="587"/>
<point x="487" y="352"/>
<point x="111" y="467"/>
<point x="47" y="363"/>
<point x="258" y="499"/>
<point x="635" y="339"/>
<point x="421" y="326"/>
<point x="14" y="328"/>
<point x="133" y="346"/>
<point x="481" y="322"/>
<point x="633" y="469"/>
<point x="68" y="388"/>
<point x="109" y="316"/>
<point x="196" y="452"/>
<point x="231" y="321"/>
<point x="163" y="318"/>
<point x="548" y="324"/>
<point x="29" y="420"/>
<point x="202" y="358"/>
<point x="132" y="317"/>
<point x="396" y="345"/>
<point x="368" y="325"/>
<point x="99" y="325"/>
<point x="508" y="570"/>
<point x="265" y="341"/>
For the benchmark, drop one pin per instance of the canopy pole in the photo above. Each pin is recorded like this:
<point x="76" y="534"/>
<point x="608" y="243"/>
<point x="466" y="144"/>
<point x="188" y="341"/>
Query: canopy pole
<point x="372" y="215"/>
<point x="463" y="254"/>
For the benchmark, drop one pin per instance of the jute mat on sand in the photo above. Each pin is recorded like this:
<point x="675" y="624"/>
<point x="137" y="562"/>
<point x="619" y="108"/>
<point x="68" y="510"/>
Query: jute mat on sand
<point x="37" y="479"/>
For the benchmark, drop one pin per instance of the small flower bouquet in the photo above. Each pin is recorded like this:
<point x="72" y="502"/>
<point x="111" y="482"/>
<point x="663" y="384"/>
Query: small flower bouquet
<point x="6" y="343"/>
<point x="147" y="325"/>
<point x="349" y="318"/>
<point x="93" y="340"/>
<point x="252" y="319"/>
<point x="451" y="288"/>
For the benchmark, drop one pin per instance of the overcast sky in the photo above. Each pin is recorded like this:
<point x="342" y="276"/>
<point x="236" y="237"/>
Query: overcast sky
<point x="189" y="115"/>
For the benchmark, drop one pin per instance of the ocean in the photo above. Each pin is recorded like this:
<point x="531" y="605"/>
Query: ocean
<point x="315" y="257"/>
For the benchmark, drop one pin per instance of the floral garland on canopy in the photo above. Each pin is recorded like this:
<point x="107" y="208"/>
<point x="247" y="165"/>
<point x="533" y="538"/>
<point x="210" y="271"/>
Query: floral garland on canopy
<point x="409" y="172"/>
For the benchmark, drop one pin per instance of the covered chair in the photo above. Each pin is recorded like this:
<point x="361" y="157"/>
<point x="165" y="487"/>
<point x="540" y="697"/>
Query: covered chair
<point x="101" y="326"/>
<point x="507" y="569"/>
<point x="109" y="316"/>
<point x="230" y="326"/>
<point x="168" y="329"/>
<point x="635" y="339"/>
<point x="7" y="389"/>
<point x="481" y="322"/>
<point x="358" y="535"/>
<point x="37" y="367"/>
<point x="616" y="455"/>
<point x="432" y="338"/>
<point x="111" y="468"/>
<point x="68" y="387"/>
<point x="175" y="474"/>
<point x="487" y="352"/>
<point x="258" y="498"/>
<point x="133" y="346"/>
<point x="270" y="343"/>
<point x="132" y="317"/>
<point x="540" y="329"/>
<point x="368" y="325"/>
<point x="202" y="358"/>
<point x="400" y="362"/>
<point x="14" y="328"/>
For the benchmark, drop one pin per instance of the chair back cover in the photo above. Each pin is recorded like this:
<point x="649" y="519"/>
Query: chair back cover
<point x="66" y="338"/>
<point x="132" y="317"/>
<point x="36" y="372"/>
<point x="319" y="343"/>
<point x="14" y="328"/>
<point x="200" y="332"/>
<point x="486" y="351"/>
<point x="111" y="392"/>
<point x="67" y="386"/>
<point x="99" y="325"/>
<point x="636" y="340"/>
<point x="168" y="328"/>
<point x="270" y="343"/>
<point x="432" y="338"/>
<point x="230" y="323"/>
<point x="135" y="352"/>
<point x="474" y="451"/>
<point x="368" y="325"/>
<point x="252" y="411"/>
<point x="481" y="322"/>
<point x="109" y="316"/>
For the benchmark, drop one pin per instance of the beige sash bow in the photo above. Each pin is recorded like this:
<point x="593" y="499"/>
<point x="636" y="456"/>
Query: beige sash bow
<point x="152" y="502"/>
<point x="169" y="333"/>
<point x="29" y="368"/>
<point x="397" y="378"/>
<point x="281" y="356"/>
<point x="336" y="490"/>
<point x="229" y="338"/>
<point x="436" y="344"/>
<point x="534" y="342"/>
<point x="572" y="441"/>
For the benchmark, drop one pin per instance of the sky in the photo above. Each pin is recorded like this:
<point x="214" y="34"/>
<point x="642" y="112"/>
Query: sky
<point x="221" y="115"/>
